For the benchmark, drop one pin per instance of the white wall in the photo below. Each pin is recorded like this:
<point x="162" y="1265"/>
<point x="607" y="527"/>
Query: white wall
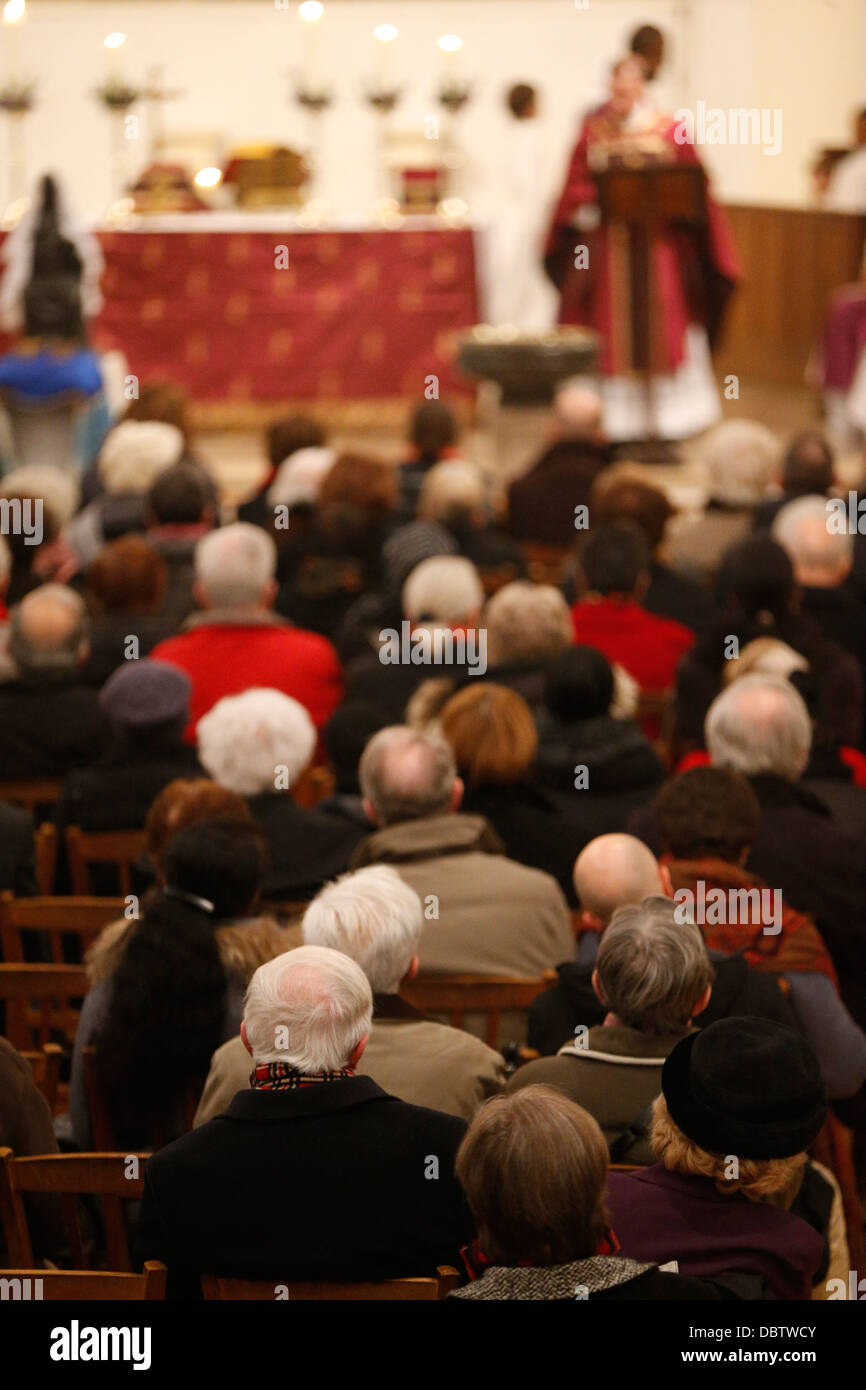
<point x="233" y="60"/>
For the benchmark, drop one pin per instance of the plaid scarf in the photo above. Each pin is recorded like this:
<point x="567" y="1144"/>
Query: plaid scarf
<point x="277" y="1076"/>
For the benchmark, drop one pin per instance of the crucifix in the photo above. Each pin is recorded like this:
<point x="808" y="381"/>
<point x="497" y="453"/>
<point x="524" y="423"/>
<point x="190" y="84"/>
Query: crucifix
<point x="156" y="95"/>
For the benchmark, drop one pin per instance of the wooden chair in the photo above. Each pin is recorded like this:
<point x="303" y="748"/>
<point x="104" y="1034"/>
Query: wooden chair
<point x="459" y="995"/>
<point x="72" y="1285"/>
<point x="41" y="1000"/>
<point x="45" y="848"/>
<point x="45" y="1066"/>
<point x="40" y="795"/>
<point x="69" y="1176"/>
<point x="426" y="1290"/>
<point x="81" y="918"/>
<point x="102" y="1130"/>
<point x="121" y="848"/>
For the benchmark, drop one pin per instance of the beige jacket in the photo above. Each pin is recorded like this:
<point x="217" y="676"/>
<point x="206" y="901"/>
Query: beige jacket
<point x="410" y="1057"/>
<point x="484" y="914"/>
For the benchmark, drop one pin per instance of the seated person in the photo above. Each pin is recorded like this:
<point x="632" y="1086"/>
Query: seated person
<point x="707" y="819"/>
<point x="260" y="744"/>
<point x="433" y="435"/>
<point x="488" y="915"/>
<point x="456" y="496"/>
<point x="739" y="457"/>
<point x="125" y="586"/>
<point x="308" y="1118"/>
<point x="50" y="719"/>
<point x="49" y="496"/>
<point x="533" y="1167"/>
<point x="168" y="993"/>
<point x="542" y="502"/>
<point x="147" y="706"/>
<point x="653" y="976"/>
<point x="528" y="628"/>
<point x="376" y="918"/>
<point x="741" y="1102"/>
<point x="616" y="871"/>
<point x="576" y="730"/>
<point x="284" y="438"/>
<point x="131" y="459"/>
<point x="618" y="495"/>
<point x="609" y="615"/>
<point x="181" y="510"/>
<point x="808" y="469"/>
<point x="345" y="736"/>
<point x="237" y="641"/>
<point x="492" y="733"/>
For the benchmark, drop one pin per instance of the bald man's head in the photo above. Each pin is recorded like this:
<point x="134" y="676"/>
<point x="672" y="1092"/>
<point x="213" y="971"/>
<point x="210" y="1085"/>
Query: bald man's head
<point x="577" y="411"/>
<point x="48" y="631"/>
<point x="614" y="871"/>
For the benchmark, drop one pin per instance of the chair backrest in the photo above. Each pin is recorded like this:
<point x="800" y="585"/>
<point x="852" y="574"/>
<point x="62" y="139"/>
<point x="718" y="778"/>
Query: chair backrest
<point x="45" y="1066"/>
<point x="78" y="918"/>
<point x="298" y="1291"/>
<point x="45" y="847"/>
<point x="41" y="1000"/>
<point x="41" y="795"/>
<point x="113" y="1177"/>
<point x="71" y="1285"/>
<point x="118" y="847"/>
<point x="459" y="995"/>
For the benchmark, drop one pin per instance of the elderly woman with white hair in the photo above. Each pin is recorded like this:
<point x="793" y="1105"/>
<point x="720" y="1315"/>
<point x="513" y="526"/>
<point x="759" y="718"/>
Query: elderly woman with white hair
<point x="133" y="456"/>
<point x="260" y="744"/>
<point x="739" y="459"/>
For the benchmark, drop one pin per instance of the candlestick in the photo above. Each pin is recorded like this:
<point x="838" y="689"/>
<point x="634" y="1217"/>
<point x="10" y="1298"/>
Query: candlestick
<point x="385" y="34"/>
<point x="13" y="14"/>
<point x="310" y="13"/>
<point x="113" y="43"/>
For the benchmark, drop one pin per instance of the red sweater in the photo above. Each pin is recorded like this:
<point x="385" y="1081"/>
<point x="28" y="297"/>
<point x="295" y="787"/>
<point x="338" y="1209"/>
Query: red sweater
<point x="650" y="648"/>
<point x="225" y="659"/>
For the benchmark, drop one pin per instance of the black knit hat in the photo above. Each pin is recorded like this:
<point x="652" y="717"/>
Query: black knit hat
<point x="746" y="1086"/>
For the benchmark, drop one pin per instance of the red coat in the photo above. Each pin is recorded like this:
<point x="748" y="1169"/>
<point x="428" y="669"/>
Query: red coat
<point x="648" y="647"/>
<point x="225" y="658"/>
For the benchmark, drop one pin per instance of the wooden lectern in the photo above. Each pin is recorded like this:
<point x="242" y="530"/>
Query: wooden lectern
<point x="648" y="200"/>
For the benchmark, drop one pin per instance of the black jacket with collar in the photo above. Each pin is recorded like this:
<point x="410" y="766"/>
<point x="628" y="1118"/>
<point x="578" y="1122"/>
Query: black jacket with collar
<point x="334" y="1181"/>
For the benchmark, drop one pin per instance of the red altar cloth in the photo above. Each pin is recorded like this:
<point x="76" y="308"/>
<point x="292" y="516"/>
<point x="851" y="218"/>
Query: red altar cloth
<point x="357" y="314"/>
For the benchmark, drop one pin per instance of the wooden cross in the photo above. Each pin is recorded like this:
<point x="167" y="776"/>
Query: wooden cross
<point x="156" y="95"/>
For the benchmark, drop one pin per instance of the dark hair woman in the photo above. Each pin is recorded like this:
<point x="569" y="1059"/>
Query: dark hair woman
<point x="171" y="998"/>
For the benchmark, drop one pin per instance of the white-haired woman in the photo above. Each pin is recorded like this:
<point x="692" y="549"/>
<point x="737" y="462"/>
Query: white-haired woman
<point x="260" y="744"/>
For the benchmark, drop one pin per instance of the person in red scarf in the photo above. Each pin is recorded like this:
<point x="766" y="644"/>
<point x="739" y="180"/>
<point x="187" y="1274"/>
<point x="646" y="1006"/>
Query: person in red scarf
<point x="601" y="270"/>
<point x="706" y="819"/>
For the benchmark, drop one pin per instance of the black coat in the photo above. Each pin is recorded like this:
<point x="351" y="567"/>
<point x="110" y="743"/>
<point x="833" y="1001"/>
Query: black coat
<point x="48" y="727"/>
<point x="737" y="989"/>
<point x="117" y="792"/>
<point x="541" y="503"/>
<point x="535" y="830"/>
<point x="307" y="847"/>
<point x="330" y="1182"/>
<point x="671" y="595"/>
<point x="617" y="756"/>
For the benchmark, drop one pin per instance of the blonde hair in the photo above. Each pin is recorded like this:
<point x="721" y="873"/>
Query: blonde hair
<point x="775" y="1181"/>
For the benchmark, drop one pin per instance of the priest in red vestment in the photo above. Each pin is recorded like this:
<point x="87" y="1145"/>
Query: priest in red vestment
<point x="602" y="284"/>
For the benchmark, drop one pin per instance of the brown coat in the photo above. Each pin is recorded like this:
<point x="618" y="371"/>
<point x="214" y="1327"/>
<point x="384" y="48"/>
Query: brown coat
<point x="484" y="914"/>
<point x="409" y="1056"/>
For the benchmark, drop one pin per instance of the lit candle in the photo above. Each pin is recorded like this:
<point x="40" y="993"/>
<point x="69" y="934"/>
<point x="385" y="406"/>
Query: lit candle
<point x="13" y="14"/>
<point x="310" y="12"/>
<point x="113" y="43"/>
<point x="385" y="34"/>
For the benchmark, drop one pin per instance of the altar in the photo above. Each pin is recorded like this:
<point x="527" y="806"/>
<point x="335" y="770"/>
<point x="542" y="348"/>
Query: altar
<point x="248" y="312"/>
